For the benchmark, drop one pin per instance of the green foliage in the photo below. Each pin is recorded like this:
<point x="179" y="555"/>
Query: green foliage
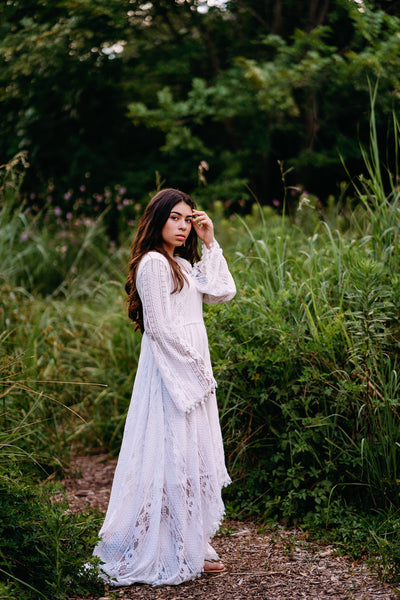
<point x="69" y="366"/>
<point x="371" y="536"/>
<point x="56" y="68"/>
<point x="43" y="546"/>
<point x="45" y="389"/>
<point x="309" y="354"/>
<point x="47" y="326"/>
<point x="313" y="361"/>
<point x="45" y="247"/>
<point x="306" y="358"/>
<point x="293" y="103"/>
<point x="104" y="92"/>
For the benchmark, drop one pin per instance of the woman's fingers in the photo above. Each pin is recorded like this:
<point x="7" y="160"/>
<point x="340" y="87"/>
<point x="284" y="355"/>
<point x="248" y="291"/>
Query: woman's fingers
<point x="201" y="218"/>
<point x="204" y="226"/>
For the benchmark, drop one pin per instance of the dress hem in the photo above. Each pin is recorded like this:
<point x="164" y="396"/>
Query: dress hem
<point x="217" y="524"/>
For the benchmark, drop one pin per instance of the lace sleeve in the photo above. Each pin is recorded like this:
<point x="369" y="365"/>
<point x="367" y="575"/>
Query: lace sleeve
<point x="212" y="275"/>
<point x="183" y="370"/>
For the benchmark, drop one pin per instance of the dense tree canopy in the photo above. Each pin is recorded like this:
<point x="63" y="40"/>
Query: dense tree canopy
<point x="111" y="91"/>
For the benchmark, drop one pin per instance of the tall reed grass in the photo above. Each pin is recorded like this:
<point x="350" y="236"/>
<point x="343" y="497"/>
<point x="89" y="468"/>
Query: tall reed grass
<point x="306" y="357"/>
<point x="309" y="354"/>
<point x="42" y="544"/>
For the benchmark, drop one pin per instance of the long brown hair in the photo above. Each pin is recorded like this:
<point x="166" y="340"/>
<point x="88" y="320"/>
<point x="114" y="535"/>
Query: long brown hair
<point x="148" y="237"/>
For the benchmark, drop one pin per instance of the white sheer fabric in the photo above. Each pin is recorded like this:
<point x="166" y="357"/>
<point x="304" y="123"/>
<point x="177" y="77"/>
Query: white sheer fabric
<point x="165" y="502"/>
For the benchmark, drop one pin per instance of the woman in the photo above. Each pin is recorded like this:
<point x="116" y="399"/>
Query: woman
<point x="165" y="502"/>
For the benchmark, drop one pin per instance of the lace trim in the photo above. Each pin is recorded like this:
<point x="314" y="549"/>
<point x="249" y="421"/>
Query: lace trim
<point x="186" y="376"/>
<point x="212" y="275"/>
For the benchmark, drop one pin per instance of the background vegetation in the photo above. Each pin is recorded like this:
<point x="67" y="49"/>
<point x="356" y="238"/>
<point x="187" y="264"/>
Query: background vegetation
<point x="306" y="357"/>
<point x="110" y="100"/>
<point x="110" y="92"/>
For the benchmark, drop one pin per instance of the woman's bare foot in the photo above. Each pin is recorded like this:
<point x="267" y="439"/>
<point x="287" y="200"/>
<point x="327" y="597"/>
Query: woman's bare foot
<point x="213" y="566"/>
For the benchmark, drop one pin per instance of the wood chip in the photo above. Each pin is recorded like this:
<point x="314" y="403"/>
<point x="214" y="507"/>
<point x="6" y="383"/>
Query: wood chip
<point x="259" y="567"/>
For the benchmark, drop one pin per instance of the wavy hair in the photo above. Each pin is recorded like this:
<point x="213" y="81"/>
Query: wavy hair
<point x="148" y="237"/>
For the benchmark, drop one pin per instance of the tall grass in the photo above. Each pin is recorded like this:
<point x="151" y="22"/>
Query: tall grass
<point x="309" y="352"/>
<point x="306" y="356"/>
<point x="43" y="545"/>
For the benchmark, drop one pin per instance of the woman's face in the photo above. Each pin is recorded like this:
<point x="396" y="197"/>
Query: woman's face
<point x="177" y="227"/>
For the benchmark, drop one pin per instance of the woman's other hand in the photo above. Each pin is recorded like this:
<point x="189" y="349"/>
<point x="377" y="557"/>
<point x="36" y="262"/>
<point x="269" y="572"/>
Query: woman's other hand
<point x="203" y="226"/>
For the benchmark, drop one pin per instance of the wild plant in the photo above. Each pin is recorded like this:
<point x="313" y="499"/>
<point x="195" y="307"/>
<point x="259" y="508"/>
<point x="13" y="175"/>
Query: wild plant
<point x="312" y="346"/>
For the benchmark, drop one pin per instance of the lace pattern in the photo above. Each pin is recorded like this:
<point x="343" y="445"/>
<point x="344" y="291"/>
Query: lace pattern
<point x="165" y="502"/>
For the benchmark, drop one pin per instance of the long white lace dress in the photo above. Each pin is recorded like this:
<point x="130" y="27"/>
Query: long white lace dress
<point x="165" y="502"/>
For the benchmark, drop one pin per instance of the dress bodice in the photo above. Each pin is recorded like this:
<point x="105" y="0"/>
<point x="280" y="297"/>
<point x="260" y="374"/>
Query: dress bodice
<point x="173" y="322"/>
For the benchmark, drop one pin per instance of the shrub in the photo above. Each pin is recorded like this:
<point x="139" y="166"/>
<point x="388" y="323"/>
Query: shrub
<point x="308" y="356"/>
<point x="43" y="546"/>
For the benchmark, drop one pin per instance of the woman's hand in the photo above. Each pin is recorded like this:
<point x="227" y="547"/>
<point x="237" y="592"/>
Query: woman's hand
<point x="203" y="226"/>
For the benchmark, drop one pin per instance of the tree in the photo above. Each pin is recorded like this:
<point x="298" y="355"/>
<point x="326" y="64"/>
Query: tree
<point x="60" y="88"/>
<point x="125" y="91"/>
<point x="306" y="103"/>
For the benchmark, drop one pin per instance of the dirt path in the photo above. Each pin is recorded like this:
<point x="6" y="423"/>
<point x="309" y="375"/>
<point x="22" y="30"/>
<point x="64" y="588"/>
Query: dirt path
<point x="270" y="566"/>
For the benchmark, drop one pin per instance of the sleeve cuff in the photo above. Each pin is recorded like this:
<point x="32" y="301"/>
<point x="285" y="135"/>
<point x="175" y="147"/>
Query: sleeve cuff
<point x="214" y="244"/>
